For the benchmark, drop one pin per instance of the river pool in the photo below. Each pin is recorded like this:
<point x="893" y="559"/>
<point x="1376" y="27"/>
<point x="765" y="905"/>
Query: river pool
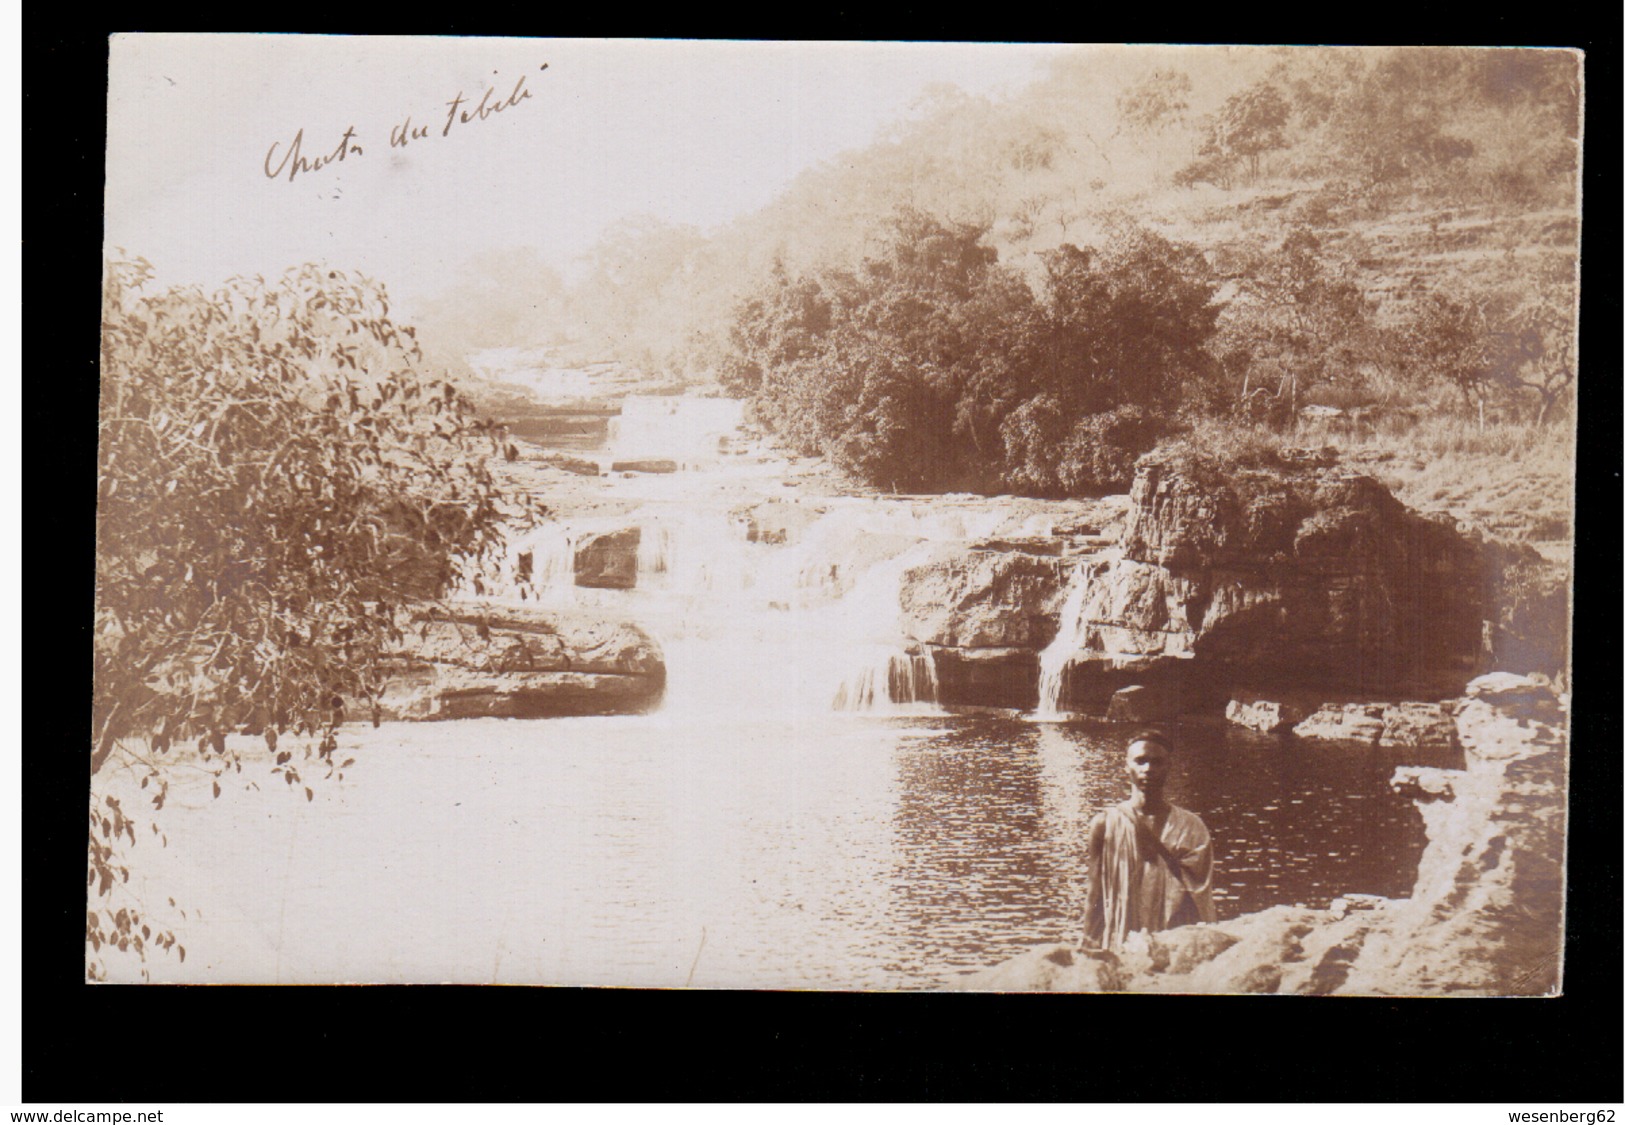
<point x="798" y="814"/>
<point x="854" y="852"/>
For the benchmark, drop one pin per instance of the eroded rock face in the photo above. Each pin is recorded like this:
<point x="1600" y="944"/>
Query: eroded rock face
<point x="1306" y="579"/>
<point x="511" y="662"/>
<point x="986" y="677"/>
<point x="1311" y="579"/>
<point x="984" y="599"/>
<point x="1485" y="916"/>
<point x="984" y="613"/>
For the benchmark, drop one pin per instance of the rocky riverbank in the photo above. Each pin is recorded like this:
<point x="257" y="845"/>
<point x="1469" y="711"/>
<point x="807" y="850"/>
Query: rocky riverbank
<point x="1302" y="599"/>
<point x="1485" y="917"/>
<point x="1229" y="584"/>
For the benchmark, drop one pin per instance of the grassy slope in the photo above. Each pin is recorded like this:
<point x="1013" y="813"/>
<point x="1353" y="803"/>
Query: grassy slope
<point x="1508" y="477"/>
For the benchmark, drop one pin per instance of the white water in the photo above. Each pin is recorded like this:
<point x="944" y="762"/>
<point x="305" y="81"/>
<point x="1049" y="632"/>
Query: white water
<point x="689" y="430"/>
<point x="1069" y="641"/>
<point x="808" y="626"/>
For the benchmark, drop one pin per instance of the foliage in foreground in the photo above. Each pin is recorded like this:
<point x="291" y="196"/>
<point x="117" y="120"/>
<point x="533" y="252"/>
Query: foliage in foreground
<point x="275" y="477"/>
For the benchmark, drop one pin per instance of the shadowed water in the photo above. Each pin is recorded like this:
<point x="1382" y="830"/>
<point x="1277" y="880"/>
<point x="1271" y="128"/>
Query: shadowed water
<point x="669" y="850"/>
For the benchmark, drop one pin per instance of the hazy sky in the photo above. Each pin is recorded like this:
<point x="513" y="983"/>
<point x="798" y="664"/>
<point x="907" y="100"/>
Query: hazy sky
<point x="690" y="132"/>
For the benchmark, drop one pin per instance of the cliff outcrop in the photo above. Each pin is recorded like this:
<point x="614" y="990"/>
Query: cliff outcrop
<point x="1296" y="580"/>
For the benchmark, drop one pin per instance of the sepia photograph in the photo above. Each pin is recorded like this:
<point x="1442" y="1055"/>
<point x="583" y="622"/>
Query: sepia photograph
<point x="850" y="517"/>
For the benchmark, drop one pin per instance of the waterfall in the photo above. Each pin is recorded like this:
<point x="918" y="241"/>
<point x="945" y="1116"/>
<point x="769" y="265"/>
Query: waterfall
<point x="778" y="614"/>
<point x="537" y="565"/>
<point x="888" y="680"/>
<point x="685" y="429"/>
<point x="1069" y="639"/>
<point x="689" y="558"/>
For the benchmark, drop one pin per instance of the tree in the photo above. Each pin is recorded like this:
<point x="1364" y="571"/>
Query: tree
<point x="275" y="478"/>
<point x="1157" y="102"/>
<point x="1534" y="351"/>
<point x="1451" y="342"/>
<point x="1299" y="323"/>
<point x="1248" y="125"/>
<point x="933" y="366"/>
<point x="1388" y="126"/>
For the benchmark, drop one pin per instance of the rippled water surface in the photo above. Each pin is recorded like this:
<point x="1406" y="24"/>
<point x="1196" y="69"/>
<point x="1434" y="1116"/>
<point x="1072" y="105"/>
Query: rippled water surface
<point x="842" y="852"/>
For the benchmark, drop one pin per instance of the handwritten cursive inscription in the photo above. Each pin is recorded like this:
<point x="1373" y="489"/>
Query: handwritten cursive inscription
<point x="294" y="161"/>
<point x="460" y="111"/>
<point x="481" y="111"/>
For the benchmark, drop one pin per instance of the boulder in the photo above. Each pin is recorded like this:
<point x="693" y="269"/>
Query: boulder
<point x="1349" y="903"/>
<point x="1138" y="703"/>
<point x="609" y="559"/>
<point x="1343" y="722"/>
<point x="573" y="465"/>
<point x="1417" y="726"/>
<point x="512" y="662"/>
<point x="1264" y="715"/>
<point x="1393" y="726"/>
<point x="1424" y="784"/>
<point x="984" y="599"/>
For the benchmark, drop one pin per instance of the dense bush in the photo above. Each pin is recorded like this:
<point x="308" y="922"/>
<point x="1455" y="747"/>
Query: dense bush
<point x="274" y="479"/>
<point x="931" y="366"/>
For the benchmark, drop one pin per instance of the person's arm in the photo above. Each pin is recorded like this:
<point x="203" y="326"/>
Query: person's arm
<point x="1094" y="910"/>
<point x="1191" y="854"/>
<point x="1189" y="859"/>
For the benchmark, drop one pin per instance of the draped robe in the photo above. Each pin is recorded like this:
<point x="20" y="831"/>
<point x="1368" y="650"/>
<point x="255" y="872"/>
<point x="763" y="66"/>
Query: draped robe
<point x="1137" y="882"/>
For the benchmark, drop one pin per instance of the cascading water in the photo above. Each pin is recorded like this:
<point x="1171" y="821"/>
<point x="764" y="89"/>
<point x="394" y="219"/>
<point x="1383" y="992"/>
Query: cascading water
<point x="773" y="629"/>
<point x="1054" y="660"/>
<point x="751" y="626"/>
<point x="686" y="429"/>
<point x="543" y="563"/>
<point x="799" y="615"/>
<point x="889" y="681"/>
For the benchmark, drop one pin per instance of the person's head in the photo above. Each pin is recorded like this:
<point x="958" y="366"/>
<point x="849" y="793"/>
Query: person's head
<point x="1147" y="761"/>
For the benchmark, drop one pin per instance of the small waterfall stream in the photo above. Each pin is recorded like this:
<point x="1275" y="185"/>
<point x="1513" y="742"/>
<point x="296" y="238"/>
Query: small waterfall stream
<point x="1069" y="639"/>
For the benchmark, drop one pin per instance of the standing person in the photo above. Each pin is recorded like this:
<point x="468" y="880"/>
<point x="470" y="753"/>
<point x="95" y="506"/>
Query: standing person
<point x="1150" y="862"/>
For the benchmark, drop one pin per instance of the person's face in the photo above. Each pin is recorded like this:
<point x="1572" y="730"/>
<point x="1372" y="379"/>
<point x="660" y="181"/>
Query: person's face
<point x="1147" y="764"/>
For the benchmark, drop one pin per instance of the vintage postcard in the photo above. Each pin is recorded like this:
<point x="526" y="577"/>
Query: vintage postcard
<point x="868" y="516"/>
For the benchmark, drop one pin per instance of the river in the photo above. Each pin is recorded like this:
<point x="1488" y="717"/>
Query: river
<point x="798" y="814"/>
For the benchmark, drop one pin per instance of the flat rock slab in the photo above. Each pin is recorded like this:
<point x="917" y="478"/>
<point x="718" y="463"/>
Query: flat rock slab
<point x="1397" y="726"/>
<point x="657" y="465"/>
